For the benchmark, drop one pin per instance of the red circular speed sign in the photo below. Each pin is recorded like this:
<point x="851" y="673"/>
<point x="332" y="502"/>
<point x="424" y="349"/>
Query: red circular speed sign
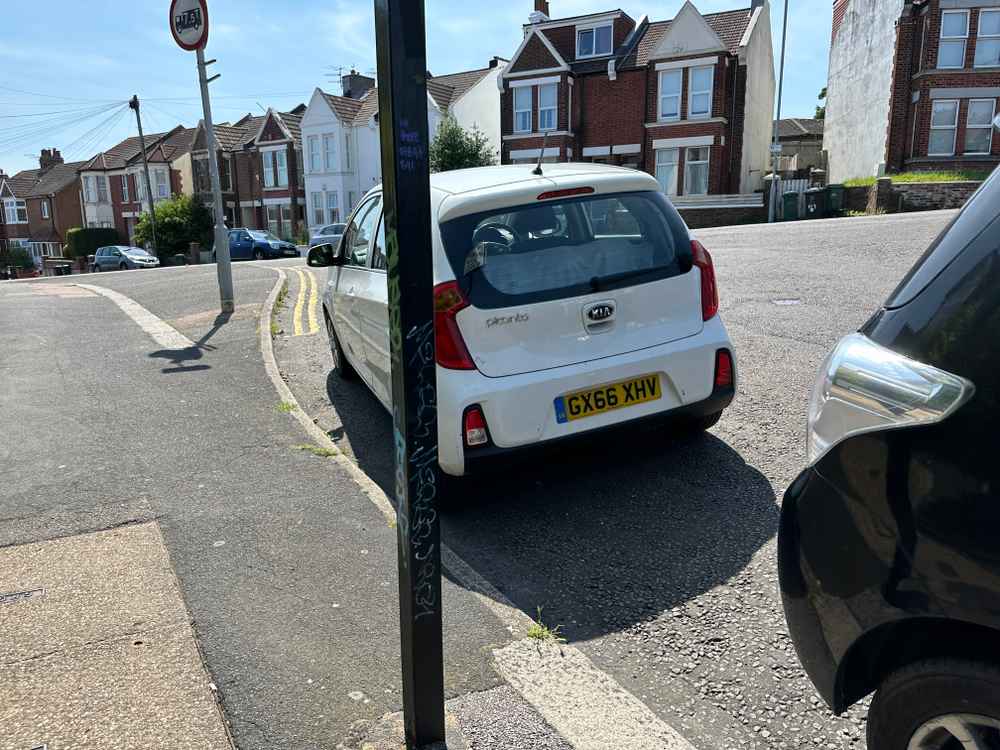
<point x="189" y="23"/>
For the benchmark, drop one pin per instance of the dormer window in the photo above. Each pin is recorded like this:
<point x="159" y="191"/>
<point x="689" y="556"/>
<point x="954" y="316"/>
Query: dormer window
<point x="593" y="41"/>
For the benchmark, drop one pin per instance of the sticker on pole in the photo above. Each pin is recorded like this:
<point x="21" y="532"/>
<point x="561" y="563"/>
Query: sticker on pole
<point x="189" y="23"/>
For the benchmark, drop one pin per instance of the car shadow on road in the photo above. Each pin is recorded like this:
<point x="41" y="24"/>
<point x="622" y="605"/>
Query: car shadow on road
<point x="600" y="535"/>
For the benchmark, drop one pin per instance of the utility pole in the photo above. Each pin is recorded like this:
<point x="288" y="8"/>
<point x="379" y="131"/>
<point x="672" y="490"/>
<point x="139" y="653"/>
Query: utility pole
<point x="775" y="148"/>
<point x="134" y="104"/>
<point x="223" y="265"/>
<point x="402" y="93"/>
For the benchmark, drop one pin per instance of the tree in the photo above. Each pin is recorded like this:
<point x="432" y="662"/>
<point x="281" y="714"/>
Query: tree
<point x="180" y="221"/>
<point x="821" y="110"/>
<point x="455" y="148"/>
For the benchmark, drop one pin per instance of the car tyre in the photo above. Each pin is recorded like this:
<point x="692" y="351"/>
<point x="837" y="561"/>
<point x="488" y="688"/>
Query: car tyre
<point x="904" y="710"/>
<point x="122" y="267"/>
<point x="343" y="368"/>
<point x="703" y="423"/>
<point x="95" y="268"/>
<point x="258" y="254"/>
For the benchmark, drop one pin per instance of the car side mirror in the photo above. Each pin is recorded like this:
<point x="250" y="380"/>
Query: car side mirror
<point x="322" y="256"/>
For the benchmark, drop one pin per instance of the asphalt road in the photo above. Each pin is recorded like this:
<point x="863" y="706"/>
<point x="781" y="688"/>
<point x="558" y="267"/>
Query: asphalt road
<point x="656" y="555"/>
<point x="288" y="571"/>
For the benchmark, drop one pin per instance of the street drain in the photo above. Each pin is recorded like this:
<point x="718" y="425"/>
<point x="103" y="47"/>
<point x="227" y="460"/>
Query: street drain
<point x="788" y="301"/>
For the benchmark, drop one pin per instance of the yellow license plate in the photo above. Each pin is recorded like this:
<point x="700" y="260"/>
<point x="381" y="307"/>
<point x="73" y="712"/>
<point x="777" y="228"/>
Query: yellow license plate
<point x="594" y="401"/>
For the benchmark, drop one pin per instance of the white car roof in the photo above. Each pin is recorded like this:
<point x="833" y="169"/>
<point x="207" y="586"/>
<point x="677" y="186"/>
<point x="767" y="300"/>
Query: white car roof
<point x="465" y="191"/>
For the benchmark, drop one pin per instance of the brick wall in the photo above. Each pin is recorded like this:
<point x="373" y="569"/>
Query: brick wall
<point x="534" y="56"/>
<point x="930" y="196"/>
<point x="703" y="218"/>
<point x="614" y="111"/>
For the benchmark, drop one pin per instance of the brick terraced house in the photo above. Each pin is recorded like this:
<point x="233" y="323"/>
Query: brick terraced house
<point x="913" y="85"/>
<point x="689" y="100"/>
<point x="113" y="183"/>
<point x="39" y="205"/>
<point x="260" y="170"/>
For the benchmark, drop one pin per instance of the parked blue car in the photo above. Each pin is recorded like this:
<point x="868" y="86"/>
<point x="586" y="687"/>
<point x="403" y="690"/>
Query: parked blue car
<point x="258" y="244"/>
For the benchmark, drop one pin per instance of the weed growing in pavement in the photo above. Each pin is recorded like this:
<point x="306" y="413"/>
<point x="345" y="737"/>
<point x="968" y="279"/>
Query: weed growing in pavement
<point x="542" y="632"/>
<point x="280" y="301"/>
<point x="316" y="450"/>
<point x="278" y="304"/>
<point x="275" y="329"/>
<point x="284" y="406"/>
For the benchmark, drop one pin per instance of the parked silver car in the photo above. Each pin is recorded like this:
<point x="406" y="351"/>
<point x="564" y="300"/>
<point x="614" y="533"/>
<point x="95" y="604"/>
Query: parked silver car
<point x="121" y="258"/>
<point x="328" y="235"/>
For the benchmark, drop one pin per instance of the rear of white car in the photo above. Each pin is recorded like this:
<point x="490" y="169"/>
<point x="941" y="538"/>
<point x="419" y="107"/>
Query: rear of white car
<point x="567" y="304"/>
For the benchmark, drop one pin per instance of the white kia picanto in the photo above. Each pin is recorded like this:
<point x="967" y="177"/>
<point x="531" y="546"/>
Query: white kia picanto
<point x="565" y="303"/>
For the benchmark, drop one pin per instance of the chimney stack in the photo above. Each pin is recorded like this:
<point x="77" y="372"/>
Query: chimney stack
<point x="354" y="85"/>
<point x="541" y="12"/>
<point x="754" y="4"/>
<point x="49" y="158"/>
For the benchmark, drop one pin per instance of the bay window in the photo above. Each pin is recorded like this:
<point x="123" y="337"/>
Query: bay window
<point x="954" y="35"/>
<point x="162" y="186"/>
<point x="88" y="190"/>
<point x="102" y="188"/>
<point x="696" y="171"/>
<point x="547" y="107"/>
<point x="268" y="162"/>
<point x="15" y="211"/>
<point x="313" y="142"/>
<point x="988" y="41"/>
<point x="522" y="109"/>
<point x="670" y="94"/>
<point x="944" y="125"/>
<point x="594" y="42"/>
<point x="666" y="169"/>
<point x="700" y="94"/>
<point x="979" y="126"/>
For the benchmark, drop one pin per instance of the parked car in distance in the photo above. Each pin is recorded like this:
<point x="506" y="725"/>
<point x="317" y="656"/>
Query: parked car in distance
<point x="258" y="244"/>
<point x="123" y="257"/>
<point x="328" y="235"/>
<point x="565" y="304"/>
<point x="887" y="550"/>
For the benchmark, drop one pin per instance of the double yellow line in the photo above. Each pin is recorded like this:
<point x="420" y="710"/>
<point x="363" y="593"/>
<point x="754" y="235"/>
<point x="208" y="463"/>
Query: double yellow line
<point x="307" y="289"/>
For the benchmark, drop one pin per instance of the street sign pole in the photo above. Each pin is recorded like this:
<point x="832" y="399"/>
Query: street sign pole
<point x="189" y="26"/>
<point x="775" y="147"/>
<point x="223" y="264"/>
<point x="402" y="98"/>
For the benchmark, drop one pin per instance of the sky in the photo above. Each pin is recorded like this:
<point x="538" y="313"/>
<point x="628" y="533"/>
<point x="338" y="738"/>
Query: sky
<point x="69" y="67"/>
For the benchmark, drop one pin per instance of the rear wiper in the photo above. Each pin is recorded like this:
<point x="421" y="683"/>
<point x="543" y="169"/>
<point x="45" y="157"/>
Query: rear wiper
<point x="598" y="281"/>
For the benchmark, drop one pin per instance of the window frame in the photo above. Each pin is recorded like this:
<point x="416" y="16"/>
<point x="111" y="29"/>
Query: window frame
<point x="676" y="164"/>
<point x="102" y="194"/>
<point x="554" y="109"/>
<point x="354" y="222"/>
<point x="347" y="150"/>
<point x="281" y="167"/>
<point x="318" y="207"/>
<point x="688" y="163"/>
<point x="333" y="206"/>
<point x="313" y="144"/>
<point x="995" y="38"/>
<point x="964" y="39"/>
<point x="710" y="92"/>
<point x="126" y="193"/>
<point x="45" y="208"/>
<point x="529" y="110"/>
<point x="162" y="187"/>
<point x="679" y="74"/>
<point x="329" y="152"/>
<point x="988" y="127"/>
<point x="89" y="191"/>
<point x="953" y="127"/>
<point x="267" y="167"/>
<point x="592" y="30"/>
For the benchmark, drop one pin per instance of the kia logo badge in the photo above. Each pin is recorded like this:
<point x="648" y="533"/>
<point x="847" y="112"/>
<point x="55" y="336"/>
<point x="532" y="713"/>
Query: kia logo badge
<point x="601" y="311"/>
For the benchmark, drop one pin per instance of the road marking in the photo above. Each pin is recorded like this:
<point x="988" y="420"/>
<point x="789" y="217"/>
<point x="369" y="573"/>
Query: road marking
<point x="566" y="692"/>
<point x="299" y="302"/>
<point x="163" y="334"/>
<point x="313" y="303"/>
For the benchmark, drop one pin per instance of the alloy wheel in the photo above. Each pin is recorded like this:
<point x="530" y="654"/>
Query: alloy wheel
<point x="957" y="732"/>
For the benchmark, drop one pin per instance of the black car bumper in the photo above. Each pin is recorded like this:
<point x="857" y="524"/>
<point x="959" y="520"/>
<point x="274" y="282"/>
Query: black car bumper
<point x="492" y="458"/>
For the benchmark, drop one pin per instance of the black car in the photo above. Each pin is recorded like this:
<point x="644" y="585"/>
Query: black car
<point x="889" y="543"/>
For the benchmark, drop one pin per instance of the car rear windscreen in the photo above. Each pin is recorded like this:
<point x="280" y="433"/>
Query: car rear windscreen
<point x="565" y="248"/>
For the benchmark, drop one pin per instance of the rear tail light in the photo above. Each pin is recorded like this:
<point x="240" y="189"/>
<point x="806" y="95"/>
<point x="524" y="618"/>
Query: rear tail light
<point x="709" y="289"/>
<point x="565" y="193"/>
<point x="864" y="387"/>
<point x="474" y="427"/>
<point x="449" y="345"/>
<point x="723" y="369"/>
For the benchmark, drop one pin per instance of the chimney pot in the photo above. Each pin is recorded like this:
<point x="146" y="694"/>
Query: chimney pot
<point x="48" y="158"/>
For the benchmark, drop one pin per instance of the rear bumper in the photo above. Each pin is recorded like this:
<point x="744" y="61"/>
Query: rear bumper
<point x="520" y="412"/>
<point x="491" y="458"/>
